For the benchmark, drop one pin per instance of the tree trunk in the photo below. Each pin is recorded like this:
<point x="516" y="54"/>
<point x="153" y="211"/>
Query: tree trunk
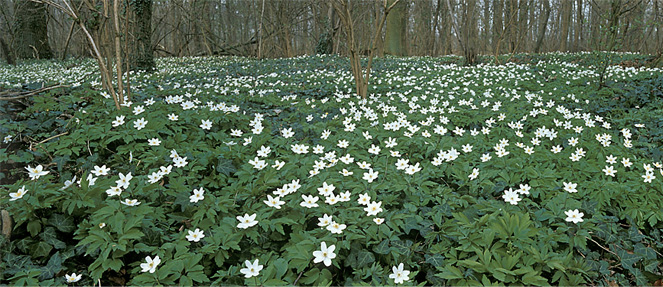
<point x="497" y="25"/>
<point x="6" y="52"/>
<point x="578" y="30"/>
<point x="566" y="23"/>
<point x="143" y="57"/>
<point x="543" y="25"/>
<point x="395" y="37"/>
<point x="31" y="31"/>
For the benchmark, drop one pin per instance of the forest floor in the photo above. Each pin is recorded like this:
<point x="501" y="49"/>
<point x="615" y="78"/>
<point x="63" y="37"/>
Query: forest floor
<point x="228" y="170"/>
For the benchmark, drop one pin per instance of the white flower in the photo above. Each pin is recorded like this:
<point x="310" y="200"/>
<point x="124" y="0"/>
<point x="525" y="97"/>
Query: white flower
<point x="326" y="189"/>
<point x="124" y="180"/>
<point x="130" y="202"/>
<point x="114" y="190"/>
<point x="412" y="169"/>
<point x="324" y="220"/>
<point x="309" y="201"/>
<point x="251" y="269"/>
<point x="180" y="161"/>
<point x="206" y="124"/>
<point x="370" y="175"/>
<point x="374" y="150"/>
<point x="364" y="199"/>
<point x="173" y="117"/>
<point x="570" y="187"/>
<point x="7" y="139"/>
<point x="399" y="274"/>
<point x="524" y="189"/>
<point x="36" y="172"/>
<point x="258" y="163"/>
<point x="195" y="236"/>
<point x="247" y="221"/>
<point x="264" y="151"/>
<point x="18" y="194"/>
<point x="154" y="142"/>
<point x="275" y="202"/>
<point x="648" y="176"/>
<point x="99" y="171"/>
<point x="119" y="120"/>
<point x="151" y="264"/>
<point x="325" y="254"/>
<point x="474" y="174"/>
<point x="73" y="278"/>
<point x="140" y="123"/>
<point x="278" y="164"/>
<point x="68" y="183"/>
<point x="138" y="110"/>
<point x="511" y="196"/>
<point x="402" y="164"/>
<point x="287" y="133"/>
<point x="197" y="195"/>
<point x="609" y="170"/>
<point x="378" y="220"/>
<point x="345" y="172"/>
<point x="574" y="216"/>
<point x="373" y="208"/>
<point x="336" y="228"/>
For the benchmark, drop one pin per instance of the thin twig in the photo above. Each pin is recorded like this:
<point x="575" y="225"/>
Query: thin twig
<point x="22" y="95"/>
<point x="603" y="247"/>
<point x="50" y="138"/>
<point x="300" y="276"/>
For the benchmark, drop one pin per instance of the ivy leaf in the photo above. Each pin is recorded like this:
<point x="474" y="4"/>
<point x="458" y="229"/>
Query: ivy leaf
<point x="403" y="248"/>
<point x="53" y="266"/>
<point x="225" y="166"/>
<point x="62" y="222"/>
<point x="382" y="248"/>
<point x="437" y="260"/>
<point x="364" y="258"/>
<point x="646" y="252"/>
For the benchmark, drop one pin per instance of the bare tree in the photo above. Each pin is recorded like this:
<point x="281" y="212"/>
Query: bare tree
<point x="361" y="74"/>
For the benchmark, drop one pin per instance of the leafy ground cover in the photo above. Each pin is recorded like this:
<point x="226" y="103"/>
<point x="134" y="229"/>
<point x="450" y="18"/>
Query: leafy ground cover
<point x="235" y="171"/>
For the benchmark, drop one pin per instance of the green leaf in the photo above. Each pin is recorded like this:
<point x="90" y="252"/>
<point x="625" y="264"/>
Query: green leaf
<point x="34" y="227"/>
<point x="364" y="258"/>
<point x="450" y="272"/>
<point x="41" y="249"/>
<point x="646" y="252"/>
<point x="437" y="260"/>
<point x="53" y="266"/>
<point x="225" y="166"/>
<point x="533" y="278"/>
<point x="403" y="248"/>
<point x="382" y="248"/>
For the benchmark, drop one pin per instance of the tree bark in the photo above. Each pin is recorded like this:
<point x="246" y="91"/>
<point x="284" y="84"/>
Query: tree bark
<point x="566" y="23"/>
<point x="578" y="30"/>
<point x="543" y="25"/>
<point x="395" y="37"/>
<point x="143" y="57"/>
<point x="497" y="25"/>
<point x="31" y="31"/>
<point x="6" y="52"/>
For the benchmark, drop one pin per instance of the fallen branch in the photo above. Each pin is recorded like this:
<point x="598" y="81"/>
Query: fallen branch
<point x="50" y="138"/>
<point x="6" y="224"/>
<point x="21" y="95"/>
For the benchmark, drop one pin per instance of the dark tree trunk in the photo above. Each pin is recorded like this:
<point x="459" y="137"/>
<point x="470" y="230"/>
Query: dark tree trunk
<point x="143" y="56"/>
<point x="497" y="25"/>
<point x="6" y="52"/>
<point x="543" y="24"/>
<point x="396" y="26"/>
<point x="31" y="31"/>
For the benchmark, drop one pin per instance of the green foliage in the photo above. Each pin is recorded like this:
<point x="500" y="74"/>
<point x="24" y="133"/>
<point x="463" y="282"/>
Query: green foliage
<point x="446" y="225"/>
